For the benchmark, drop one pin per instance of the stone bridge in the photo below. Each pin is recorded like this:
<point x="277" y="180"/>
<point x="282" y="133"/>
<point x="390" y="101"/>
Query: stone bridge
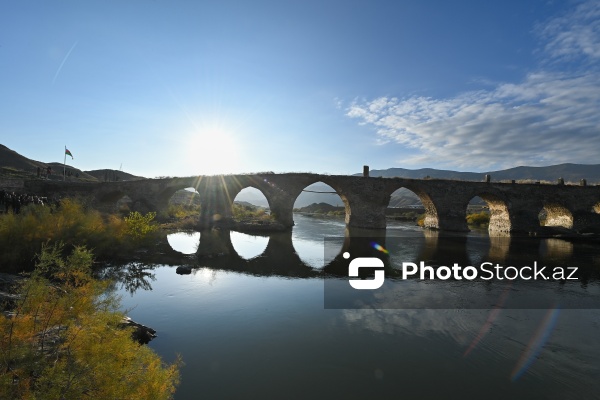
<point x="514" y="207"/>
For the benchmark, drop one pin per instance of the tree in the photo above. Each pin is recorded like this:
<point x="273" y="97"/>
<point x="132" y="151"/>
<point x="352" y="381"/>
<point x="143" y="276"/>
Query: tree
<point x="62" y="339"/>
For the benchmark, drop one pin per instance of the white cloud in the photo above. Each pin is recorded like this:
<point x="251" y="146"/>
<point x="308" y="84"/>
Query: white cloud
<point x="547" y="118"/>
<point x="575" y="34"/>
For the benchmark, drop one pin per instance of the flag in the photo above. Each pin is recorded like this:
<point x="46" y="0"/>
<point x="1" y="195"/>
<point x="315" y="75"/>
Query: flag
<point x="68" y="153"/>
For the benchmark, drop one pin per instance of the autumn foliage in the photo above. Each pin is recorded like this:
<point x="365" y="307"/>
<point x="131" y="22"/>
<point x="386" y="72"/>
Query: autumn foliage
<point x="62" y="339"/>
<point x="72" y="223"/>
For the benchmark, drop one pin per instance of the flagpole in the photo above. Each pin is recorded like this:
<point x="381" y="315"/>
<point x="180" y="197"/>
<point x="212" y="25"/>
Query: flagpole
<point x="65" y="164"/>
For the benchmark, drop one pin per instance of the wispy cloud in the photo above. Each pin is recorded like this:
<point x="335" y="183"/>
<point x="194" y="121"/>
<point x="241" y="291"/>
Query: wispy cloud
<point x="575" y="34"/>
<point x="63" y="62"/>
<point x="549" y="117"/>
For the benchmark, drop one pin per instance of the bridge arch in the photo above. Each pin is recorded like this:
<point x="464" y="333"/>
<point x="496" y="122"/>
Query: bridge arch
<point x="405" y="205"/>
<point x="431" y="219"/>
<point x="113" y="200"/>
<point x="500" y="218"/>
<point x="556" y="214"/>
<point x="257" y="200"/>
<point x="321" y="192"/>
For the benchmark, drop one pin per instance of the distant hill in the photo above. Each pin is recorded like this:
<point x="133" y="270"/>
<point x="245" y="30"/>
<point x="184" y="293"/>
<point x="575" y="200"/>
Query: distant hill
<point x="74" y="173"/>
<point x="15" y="166"/>
<point x="248" y="205"/>
<point x="569" y="172"/>
<point x="321" y="208"/>
<point x="111" y="175"/>
<point x="11" y="159"/>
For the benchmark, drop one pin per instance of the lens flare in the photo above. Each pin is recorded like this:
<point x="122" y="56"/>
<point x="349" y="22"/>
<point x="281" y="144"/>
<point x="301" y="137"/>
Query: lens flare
<point x="536" y="344"/>
<point x="493" y="315"/>
<point x="379" y="247"/>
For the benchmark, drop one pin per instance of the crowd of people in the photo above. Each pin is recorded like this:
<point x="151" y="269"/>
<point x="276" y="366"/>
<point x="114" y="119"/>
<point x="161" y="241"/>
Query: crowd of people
<point x="14" y="201"/>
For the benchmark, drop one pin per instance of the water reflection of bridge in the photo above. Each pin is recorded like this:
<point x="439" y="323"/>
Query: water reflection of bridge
<point x="280" y="258"/>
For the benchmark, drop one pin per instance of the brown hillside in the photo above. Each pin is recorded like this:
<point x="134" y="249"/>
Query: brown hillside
<point x="11" y="159"/>
<point x="111" y="175"/>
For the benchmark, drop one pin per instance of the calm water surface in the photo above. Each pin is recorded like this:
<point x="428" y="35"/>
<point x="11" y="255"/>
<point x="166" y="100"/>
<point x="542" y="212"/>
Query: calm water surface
<point x="259" y="329"/>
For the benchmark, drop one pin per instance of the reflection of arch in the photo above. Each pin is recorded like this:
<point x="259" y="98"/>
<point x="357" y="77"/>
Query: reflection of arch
<point x="184" y="242"/>
<point x="557" y="215"/>
<point x="557" y="249"/>
<point x="440" y="248"/>
<point x="248" y="252"/>
<point x="358" y="242"/>
<point x="499" y="212"/>
<point x="279" y="257"/>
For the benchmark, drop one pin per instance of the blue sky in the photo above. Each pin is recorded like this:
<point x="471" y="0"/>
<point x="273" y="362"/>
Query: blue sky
<point x="178" y="88"/>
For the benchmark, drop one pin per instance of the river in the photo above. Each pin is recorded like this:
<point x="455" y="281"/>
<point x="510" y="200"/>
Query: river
<point x="261" y="329"/>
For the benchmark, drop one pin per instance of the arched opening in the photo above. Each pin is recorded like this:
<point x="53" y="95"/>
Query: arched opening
<point x="405" y="210"/>
<point x="115" y="201"/>
<point x="319" y="212"/>
<point x="250" y="206"/>
<point x="124" y="204"/>
<point x="478" y="214"/>
<point x="488" y="211"/>
<point x="184" y="204"/>
<point x="556" y="215"/>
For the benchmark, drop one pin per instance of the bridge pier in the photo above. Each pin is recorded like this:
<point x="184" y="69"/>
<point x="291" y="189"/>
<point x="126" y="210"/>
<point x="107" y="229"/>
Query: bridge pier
<point x="214" y="242"/>
<point x="586" y="222"/>
<point x="282" y="208"/>
<point x="449" y="218"/>
<point x="366" y="202"/>
<point x="524" y="220"/>
<point x="215" y="208"/>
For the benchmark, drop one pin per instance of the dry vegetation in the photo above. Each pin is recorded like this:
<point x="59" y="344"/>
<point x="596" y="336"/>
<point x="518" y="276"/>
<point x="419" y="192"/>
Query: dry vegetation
<point x="62" y="339"/>
<point x="23" y="235"/>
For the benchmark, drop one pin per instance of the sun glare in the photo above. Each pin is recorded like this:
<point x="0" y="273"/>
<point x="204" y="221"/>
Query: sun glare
<point x="211" y="150"/>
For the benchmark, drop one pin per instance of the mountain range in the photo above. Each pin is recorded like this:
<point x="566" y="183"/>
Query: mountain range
<point x="569" y="172"/>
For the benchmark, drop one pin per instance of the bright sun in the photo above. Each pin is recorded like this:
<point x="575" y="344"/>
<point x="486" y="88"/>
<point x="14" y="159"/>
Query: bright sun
<point x="212" y="150"/>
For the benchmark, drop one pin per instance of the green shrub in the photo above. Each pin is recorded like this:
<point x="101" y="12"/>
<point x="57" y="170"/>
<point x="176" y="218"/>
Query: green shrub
<point x="479" y="219"/>
<point x="140" y="226"/>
